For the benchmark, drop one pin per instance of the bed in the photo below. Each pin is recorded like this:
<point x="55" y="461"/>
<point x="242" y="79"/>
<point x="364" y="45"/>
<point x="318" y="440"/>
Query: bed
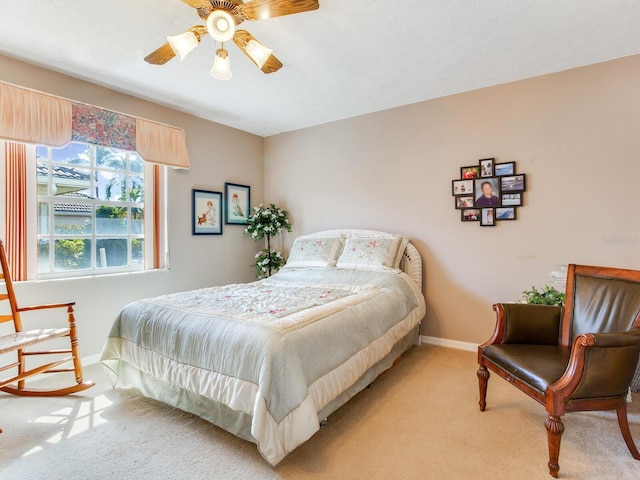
<point x="268" y="360"/>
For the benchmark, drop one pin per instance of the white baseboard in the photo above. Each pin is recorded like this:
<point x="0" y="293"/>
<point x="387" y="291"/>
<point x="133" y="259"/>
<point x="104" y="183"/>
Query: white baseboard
<point x="443" y="342"/>
<point x="90" y="360"/>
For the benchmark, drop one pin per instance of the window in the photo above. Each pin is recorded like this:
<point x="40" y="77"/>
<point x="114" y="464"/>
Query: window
<point x="92" y="210"/>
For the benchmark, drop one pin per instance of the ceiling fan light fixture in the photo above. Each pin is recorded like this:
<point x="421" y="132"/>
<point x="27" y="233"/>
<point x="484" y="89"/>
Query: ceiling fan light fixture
<point x="182" y="44"/>
<point x="220" y="25"/>
<point x="221" y="69"/>
<point x="258" y="52"/>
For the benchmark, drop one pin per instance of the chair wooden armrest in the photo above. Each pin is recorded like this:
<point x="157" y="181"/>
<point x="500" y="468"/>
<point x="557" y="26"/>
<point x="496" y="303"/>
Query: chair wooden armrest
<point x="46" y="306"/>
<point x="615" y="354"/>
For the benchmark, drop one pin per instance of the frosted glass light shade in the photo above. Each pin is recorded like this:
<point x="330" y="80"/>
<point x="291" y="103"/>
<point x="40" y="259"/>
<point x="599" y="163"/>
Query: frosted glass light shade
<point x="258" y="52"/>
<point x="220" y="25"/>
<point x="182" y="44"/>
<point x="221" y="68"/>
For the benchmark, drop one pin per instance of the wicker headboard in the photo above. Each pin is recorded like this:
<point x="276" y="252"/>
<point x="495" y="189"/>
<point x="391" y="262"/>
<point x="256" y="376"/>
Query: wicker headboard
<point x="411" y="262"/>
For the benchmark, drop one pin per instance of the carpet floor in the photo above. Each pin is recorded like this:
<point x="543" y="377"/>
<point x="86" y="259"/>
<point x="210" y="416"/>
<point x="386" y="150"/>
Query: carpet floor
<point x="420" y="420"/>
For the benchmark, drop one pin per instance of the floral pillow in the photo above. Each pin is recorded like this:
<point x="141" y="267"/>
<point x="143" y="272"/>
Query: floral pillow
<point x="373" y="253"/>
<point x="314" y="252"/>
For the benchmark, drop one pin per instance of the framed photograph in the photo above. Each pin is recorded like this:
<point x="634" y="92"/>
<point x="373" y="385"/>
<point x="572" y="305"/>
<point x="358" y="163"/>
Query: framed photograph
<point x="470" y="172"/>
<point x="513" y="183"/>
<point x="512" y="199"/>
<point x="237" y="203"/>
<point x="464" y="201"/>
<point x="507" y="168"/>
<point x="462" y="187"/>
<point x="506" y="213"/>
<point x="206" y="215"/>
<point x="487" y="217"/>
<point x="470" y="215"/>
<point x="486" y="167"/>
<point x="487" y="192"/>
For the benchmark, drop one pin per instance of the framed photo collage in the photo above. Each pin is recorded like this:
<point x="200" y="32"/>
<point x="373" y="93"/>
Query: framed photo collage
<point x="489" y="192"/>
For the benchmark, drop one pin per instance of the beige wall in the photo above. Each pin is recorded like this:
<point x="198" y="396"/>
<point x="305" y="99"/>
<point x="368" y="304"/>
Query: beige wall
<point x="576" y="135"/>
<point x="218" y="154"/>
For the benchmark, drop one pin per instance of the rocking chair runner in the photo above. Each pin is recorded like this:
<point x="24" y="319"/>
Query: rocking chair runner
<point x="578" y="359"/>
<point x="20" y="339"/>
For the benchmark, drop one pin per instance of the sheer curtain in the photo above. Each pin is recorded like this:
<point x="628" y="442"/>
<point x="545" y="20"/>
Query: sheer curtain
<point x="16" y="209"/>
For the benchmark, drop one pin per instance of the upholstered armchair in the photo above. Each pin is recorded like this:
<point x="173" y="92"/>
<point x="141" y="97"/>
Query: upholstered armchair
<point x="577" y="358"/>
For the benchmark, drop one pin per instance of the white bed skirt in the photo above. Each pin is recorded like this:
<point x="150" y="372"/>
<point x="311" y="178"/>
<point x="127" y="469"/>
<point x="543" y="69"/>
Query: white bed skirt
<point x="240" y="423"/>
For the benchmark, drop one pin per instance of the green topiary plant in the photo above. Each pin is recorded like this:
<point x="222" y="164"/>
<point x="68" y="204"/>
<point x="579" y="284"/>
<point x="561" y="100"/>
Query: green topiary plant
<point x="546" y="296"/>
<point x="266" y="222"/>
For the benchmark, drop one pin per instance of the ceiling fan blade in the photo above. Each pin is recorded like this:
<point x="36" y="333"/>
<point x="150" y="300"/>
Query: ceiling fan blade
<point x="160" y="56"/>
<point x="197" y="3"/>
<point x="257" y="53"/>
<point x="261" y="9"/>
<point x="271" y="65"/>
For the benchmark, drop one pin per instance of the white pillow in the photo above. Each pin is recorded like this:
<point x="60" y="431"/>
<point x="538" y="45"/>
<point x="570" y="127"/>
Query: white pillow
<point x="382" y="253"/>
<point x="314" y="252"/>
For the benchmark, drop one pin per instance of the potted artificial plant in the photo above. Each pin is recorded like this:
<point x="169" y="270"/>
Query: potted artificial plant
<point x="546" y="296"/>
<point x="267" y="222"/>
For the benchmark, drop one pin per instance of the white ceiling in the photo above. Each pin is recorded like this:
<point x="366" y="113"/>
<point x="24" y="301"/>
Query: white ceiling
<point x="348" y="58"/>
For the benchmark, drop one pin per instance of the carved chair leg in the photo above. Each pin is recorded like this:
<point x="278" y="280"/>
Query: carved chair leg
<point x="21" y="367"/>
<point x="555" y="429"/>
<point x="483" y="380"/>
<point x="73" y="338"/>
<point x="626" y="433"/>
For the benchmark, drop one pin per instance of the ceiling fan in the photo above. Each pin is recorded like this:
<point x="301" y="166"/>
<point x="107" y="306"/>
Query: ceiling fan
<point x="222" y="17"/>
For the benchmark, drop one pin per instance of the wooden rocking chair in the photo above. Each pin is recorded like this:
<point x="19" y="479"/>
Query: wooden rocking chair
<point x="20" y="339"/>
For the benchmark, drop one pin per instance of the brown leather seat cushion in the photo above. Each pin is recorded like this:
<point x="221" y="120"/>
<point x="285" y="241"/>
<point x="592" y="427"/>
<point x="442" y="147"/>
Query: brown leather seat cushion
<point x="536" y="365"/>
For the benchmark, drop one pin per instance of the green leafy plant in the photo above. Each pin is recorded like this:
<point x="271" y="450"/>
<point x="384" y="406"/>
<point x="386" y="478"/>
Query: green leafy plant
<point x="547" y="296"/>
<point x="267" y="262"/>
<point x="267" y="222"/>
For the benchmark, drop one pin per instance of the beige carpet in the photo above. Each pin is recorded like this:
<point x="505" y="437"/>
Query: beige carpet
<point x="418" y="421"/>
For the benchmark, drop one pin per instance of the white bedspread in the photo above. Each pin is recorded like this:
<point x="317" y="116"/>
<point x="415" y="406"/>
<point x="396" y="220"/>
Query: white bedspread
<point x="278" y="350"/>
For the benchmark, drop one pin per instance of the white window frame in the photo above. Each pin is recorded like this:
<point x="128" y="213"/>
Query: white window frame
<point x="32" y="222"/>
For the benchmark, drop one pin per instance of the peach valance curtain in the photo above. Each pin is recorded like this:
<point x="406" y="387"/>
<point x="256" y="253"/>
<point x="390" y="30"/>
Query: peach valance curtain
<point x="35" y="117"/>
<point x="164" y="143"/>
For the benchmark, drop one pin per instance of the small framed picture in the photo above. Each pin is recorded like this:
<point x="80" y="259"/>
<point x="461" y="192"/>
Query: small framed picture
<point x="237" y="202"/>
<point x="462" y="187"/>
<point x="513" y="183"/>
<point x="487" y="192"/>
<point x="487" y="217"/>
<point x="463" y="201"/>
<point x="486" y="167"/>
<point x="469" y="172"/>
<point x="506" y="213"/>
<point x="206" y="215"/>
<point x="512" y="199"/>
<point x="470" y="215"/>
<point x="507" y="168"/>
